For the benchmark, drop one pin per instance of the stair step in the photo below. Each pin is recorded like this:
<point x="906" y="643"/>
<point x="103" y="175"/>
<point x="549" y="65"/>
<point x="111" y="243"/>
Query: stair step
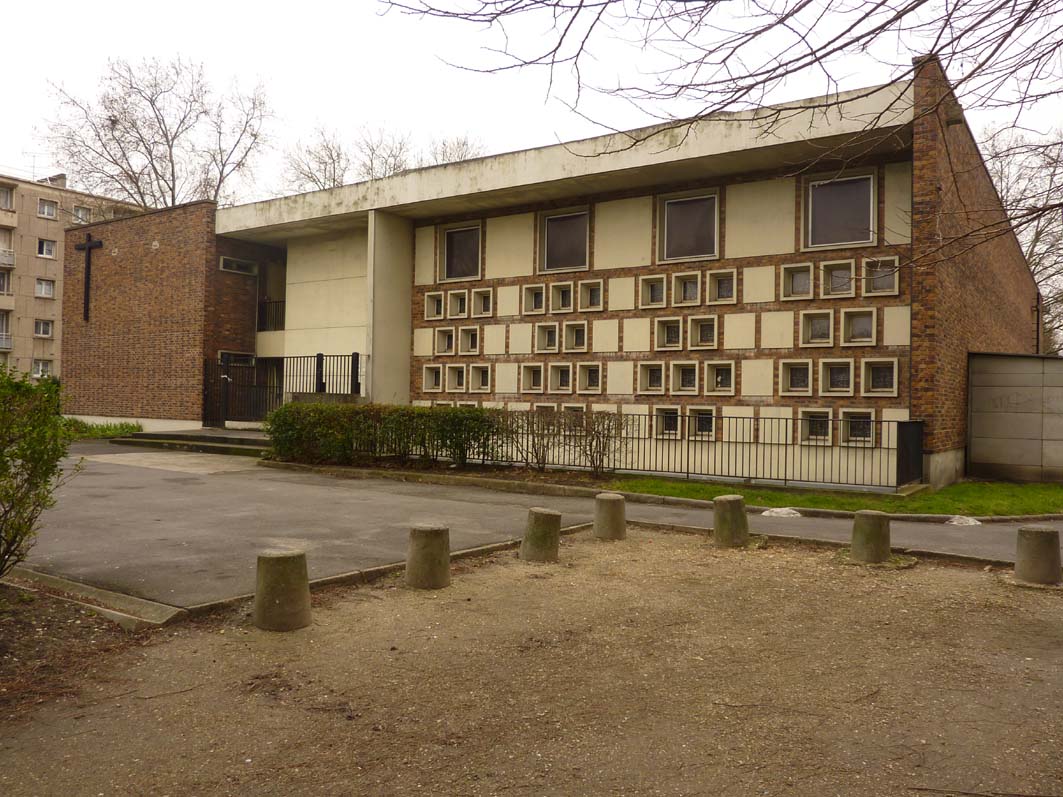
<point x="194" y="445"/>
<point x="204" y="437"/>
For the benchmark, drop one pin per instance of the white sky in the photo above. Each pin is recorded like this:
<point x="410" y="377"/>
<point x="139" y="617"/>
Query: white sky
<point x="343" y="65"/>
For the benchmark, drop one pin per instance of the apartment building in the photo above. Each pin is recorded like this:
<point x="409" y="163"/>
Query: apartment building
<point x="812" y="290"/>
<point x="33" y="217"/>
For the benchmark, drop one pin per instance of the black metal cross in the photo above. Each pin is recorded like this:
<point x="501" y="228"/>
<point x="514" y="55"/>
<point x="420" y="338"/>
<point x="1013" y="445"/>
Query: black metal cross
<point x="87" y="247"/>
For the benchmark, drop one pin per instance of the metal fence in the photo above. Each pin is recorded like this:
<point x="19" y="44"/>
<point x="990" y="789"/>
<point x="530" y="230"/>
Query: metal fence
<point x="271" y="316"/>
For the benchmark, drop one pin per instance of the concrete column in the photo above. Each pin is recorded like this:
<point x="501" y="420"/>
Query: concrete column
<point x="610" y="517"/>
<point x="730" y="526"/>
<point x="871" y="537"/>
<point x="428" y="557"/>
<point x="542" y="536"/>
<point x="282" y="591"/>
<point x="1037" y="555"/>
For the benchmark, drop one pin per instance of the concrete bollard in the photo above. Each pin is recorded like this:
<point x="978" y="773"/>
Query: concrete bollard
<point x="610" y="517"/>
<point x="871" y="537"/>
<point x="282" y="591"/>
<point x="1037" y="555"/>
<point x="730" y="527"/>
<point x="428" y="557"/>
<point x="542" y="536"/>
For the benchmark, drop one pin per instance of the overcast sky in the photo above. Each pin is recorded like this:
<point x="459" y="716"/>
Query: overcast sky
<point x="341" y="65"/>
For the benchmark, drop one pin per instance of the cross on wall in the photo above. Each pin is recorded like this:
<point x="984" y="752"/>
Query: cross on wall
<point x="89" y="244"/>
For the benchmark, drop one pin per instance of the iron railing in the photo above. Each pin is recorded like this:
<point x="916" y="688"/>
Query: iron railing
<point x="271" y="316"/>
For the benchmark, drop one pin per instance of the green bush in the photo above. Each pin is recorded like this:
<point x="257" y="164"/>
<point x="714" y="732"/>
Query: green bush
<point x="318" y="434"/>
<point x="33" y="442"/>
<point x="80" y="430"/>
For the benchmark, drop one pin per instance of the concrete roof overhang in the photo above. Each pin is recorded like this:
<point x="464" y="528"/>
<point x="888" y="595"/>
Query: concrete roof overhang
<point x="852" y="127"/>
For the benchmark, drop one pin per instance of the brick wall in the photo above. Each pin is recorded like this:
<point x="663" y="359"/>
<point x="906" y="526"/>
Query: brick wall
<point x="971" y="292"/>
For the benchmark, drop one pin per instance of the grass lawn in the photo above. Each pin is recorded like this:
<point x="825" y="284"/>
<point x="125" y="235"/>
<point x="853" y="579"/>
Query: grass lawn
<point x="967" y="498"/>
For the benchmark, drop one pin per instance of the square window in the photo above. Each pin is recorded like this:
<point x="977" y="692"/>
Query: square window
<point x="836" y="377"/>
<point x="461" y="253"/>
<point x="702" y="424"/>
<point x="881" y="276"/>
<point x="797" y="281"/>
<point x="840" y="212"/>
<point x="837" y="279"/>
<point x="689" y="227"/>
<point x="41" y="369"/>
<point x="457" y="304"/>
<point x="576" y="336"/>
<point x="668" y="333"/>
<point x="666" y="421"/>
<point x="433" y="306"/>
<point x="719" y="378"/>
<point x="561" y="297"/>
<point x="546" y="338"/>
<point x="42" y="328"/>
<point x="479" y="378"/>
<point x="858" y="327"/>
<point x="879" y="378"/>
<point x="857" y="427"/>
<point x="589" y="378"/>
<point x="433" y="378"/>
<point x="686" y="289"/>
<point x="564" y="237"/>
<point x="45" y="248"/>
<point x="722" y="287"/>
<point x="817" y="328"/>
<point x="469" y="340"/>
<point x="531" y="379"/>
<point x="455" y="378"/>
<point x="560" y="378"/>
<point x="795" y="378"/>
<point x="702" y="332"/>
<point x="651" y="378"/>
<point x="684" y="378"/>
<point x="590" y="295"/>
<point x="482" y="302"/>
<point x="534" y="300"/>
<point x="445" y="341"/>
<point x="651" y="292"/>
<point x="47" y="208"/>
<point x="815" y="426"/>
<point x="82" y="214"/>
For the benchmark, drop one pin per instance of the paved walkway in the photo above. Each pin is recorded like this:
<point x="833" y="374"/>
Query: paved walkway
<point x="184" y="529"/>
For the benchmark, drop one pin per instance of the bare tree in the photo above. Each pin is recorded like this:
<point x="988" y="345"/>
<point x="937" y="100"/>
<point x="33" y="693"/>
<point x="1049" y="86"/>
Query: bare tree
<point x="156" y="135"/>
<point x="381" y="153"/>
<point x="323" y="163"/>
<point x="451" y="149"/>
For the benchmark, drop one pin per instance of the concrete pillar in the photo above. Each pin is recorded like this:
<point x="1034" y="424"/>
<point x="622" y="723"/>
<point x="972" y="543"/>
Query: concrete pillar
<point x="428" y="557"/>
<point x="542" y="536"/>
<point x="871" y="537"/>
<point x="1037" y="555"/>
<point x="610" y="517"/>
<point x="730" y="526"/>
<point x="282" y="591"/>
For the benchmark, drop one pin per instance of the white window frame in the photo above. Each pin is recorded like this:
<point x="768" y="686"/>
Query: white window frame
<point x="581" y="368"/>
<point x="462" y="334"/>
<point x="824" y="381"/>
<point x="454" y="368"/>
<point x="692" y="426"/>
<point x="36" y="371"/>
<point x="709" y="380"/>
<point x="675" y="384"/>
<point x="564" y="337"/>
<point x="824" y="280"/>
<point x="439" y="332"/>
<point x="802" y="426"/>
<point x="524" y="371"/>
<point x="555" y="295"/>
<point x="710" y="283"/>
<point x="806" y="210"/>
<point x="642" y="375"/>
<point x="458" y="227"/>
<point x="843" y="431"/>
<point x="847" y="313"/>
<point x="584" y="307"/>
<point x="866" y="280"/>
<point x="803" y="297"/>
<point x="677" y="292"/>
<point x="784" y="382"/>
<point x="865" y="376"/>
<point x="553" y="368"/>
<point x="43" y="202"/>
<point x="475" y="297"/>
<point x="455" y="296"/>
<point x="7" y="191"/>
<point x="543" y="228"/>
<point x="37" y="288"/>
<point x="466" y="403"/>
<point x="525" y="293"/>
<point x="692" y="338"/>
<point x="539" y="348"/>
<point x="428" y="301"/>
<point x="55" y="248"/>
<point x="51" y="328"/>
<point x="802" y="329"/>
<point x="658" y="413"/>
<point x="246" y="268"/>
<point x="477" y="368"/>
<point x="77" y="217"/>
<point x="659" y="341"/>
<point x="662" y="224"/>
<point x="644" y="302"/>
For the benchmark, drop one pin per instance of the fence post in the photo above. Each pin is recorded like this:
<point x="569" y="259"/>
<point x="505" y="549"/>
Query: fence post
<point x="356" y="377"/>
<point x="223" y="386"/>
<point x="319" y="373"/>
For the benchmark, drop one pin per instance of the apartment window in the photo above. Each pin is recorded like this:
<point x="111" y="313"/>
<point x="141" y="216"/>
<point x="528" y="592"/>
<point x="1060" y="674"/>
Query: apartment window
<point x="42" y="328"/>
<point x="858" y="327"/>
<point x="546" y="338"/>
<point x="531" y="378"/>
<point x="689" y="227"/>
<point x="7" y="197"/>
<point x="722" y="287"/>
<point x="45" y="289"/>
<point x="5" y="281"/>
<point x="45" y="248"/>
<point x="719" y="378"/>
<point x="836" y="377"/>
<point x="817" y="328"/>
<point x="560" y="378"/>
<point x="686" y="289"/>
<point x="564" y="239"/>
<point x="576" y="336"/>
<point x="651" y="378"/>
<point x="479" y="378"/>
<point x="589" y="378"/>
<point x="651" y="292"/>
<point x="702" y="332"/>
<point x="482" y="302"/>
<point x="461" y="253"/>
<point x="457" y="304"/>
<point x="42" y="368"/>
<point x="879" y="378"/>
<point x="666" y="421"/>
<point x="857" y="427"/>
<point x="47" y="208"/>
<point x="82" y="214"/>
<point x="795" y="377"/>
<point x="590" y="295"/>
<point x="445" y="341"/>
<point x="840" y="212"/>
<point x="880" y="276"/>
<point x="561" y="297"/>
<point x="534" y="299"/>
<point x="814" y="426"/>
<point x="837" y="279"/>
<point x="797" y="281"/>
<point x="245" y="267"/>
<point x="684" y="378"/>
<point x="667" y="333"/>
<point x="469" y="340"/>
<point x="455" y="378"/>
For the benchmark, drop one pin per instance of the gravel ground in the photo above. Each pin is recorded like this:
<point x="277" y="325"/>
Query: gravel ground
<point x="655" y="666"/>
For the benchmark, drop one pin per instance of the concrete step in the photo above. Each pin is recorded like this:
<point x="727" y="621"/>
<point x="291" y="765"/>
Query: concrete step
<point x="184" y="444"/>
<point x="234" y="438"/>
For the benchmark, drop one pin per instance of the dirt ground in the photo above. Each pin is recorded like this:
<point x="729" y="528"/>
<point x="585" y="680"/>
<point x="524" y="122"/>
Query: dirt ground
<point x="655" y="666"/>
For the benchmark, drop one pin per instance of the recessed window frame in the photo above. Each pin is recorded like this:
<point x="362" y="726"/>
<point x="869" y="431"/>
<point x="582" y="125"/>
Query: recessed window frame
<point x="543" y="348"/>
<point x="660" y="413"/>
<point x="566" y="346"/>
<point x="784" y="272"/>
<point x="711" y="279"/>
<point x="457" y="304"/>
<point x="678" y="281"/>
<point x="692" y="424"/>
<point x="583" y="291"/>
<point x="462" y="381"/>
<point x="806" y="209"/>
<point x="476" y="297"/>
<point x="527" y="384"/>
<point x="709" y="382"/>
<point x="662" y="224"/>
<point x="43" y="323"/>
<point x="463" y="336"/>
<point x="427" y="384"/>
<point x="440" y="335"/>
<point x="42" y="248"/>
<point x="37" y="288"/>
<point x="804" y="436"/>
<point x="824" y="379"/>
<point x="645" y="302"/>
<point x="693" y="340"/>
<point x="557" y="369"/>
<point x="784" y="377"/>
<point x="555" y="297"/>
<point x="660" y="340"/>
<point x="527" y="305"/>
<point x="581" y="381"/>
<point x="803" y="339"/>
<point x="866" y="280"/>
<point x="844" y="418"/>
<point x="43" y="202"/>
<point x="461" y="226"/>
<point x="826" y="266"/>
<point x="429" y="300"/>
<point x="675" y="381"/>
<point x="643" y="378"/>
<point x="477" y="369"/>
<point x="865" y="376"/>
<point x="847" y="314"/>
<point x="237" y="265"/>
<point x="544" y="219"/>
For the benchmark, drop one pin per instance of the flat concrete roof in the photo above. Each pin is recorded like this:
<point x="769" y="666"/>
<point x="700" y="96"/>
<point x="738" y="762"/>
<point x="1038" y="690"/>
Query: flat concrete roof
<point x="851" y="124"/>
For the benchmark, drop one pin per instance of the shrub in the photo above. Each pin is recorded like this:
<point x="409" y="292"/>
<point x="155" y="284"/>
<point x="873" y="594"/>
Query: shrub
<point x="78" y="429"/>
<point x="318" y="434"/>
<point x="463" y="432"/>
<point x="33" y="442"/>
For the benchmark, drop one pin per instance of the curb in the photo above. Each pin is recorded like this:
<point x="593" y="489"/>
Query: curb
<point x="572" y="491"/>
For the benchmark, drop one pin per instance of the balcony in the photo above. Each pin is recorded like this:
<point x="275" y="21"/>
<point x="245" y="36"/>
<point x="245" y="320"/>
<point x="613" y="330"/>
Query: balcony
<point x="7" y="258"/>
<point x="8" y="218"/>
<point x="6" y="343"/>
<point x="271" y="316"/>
